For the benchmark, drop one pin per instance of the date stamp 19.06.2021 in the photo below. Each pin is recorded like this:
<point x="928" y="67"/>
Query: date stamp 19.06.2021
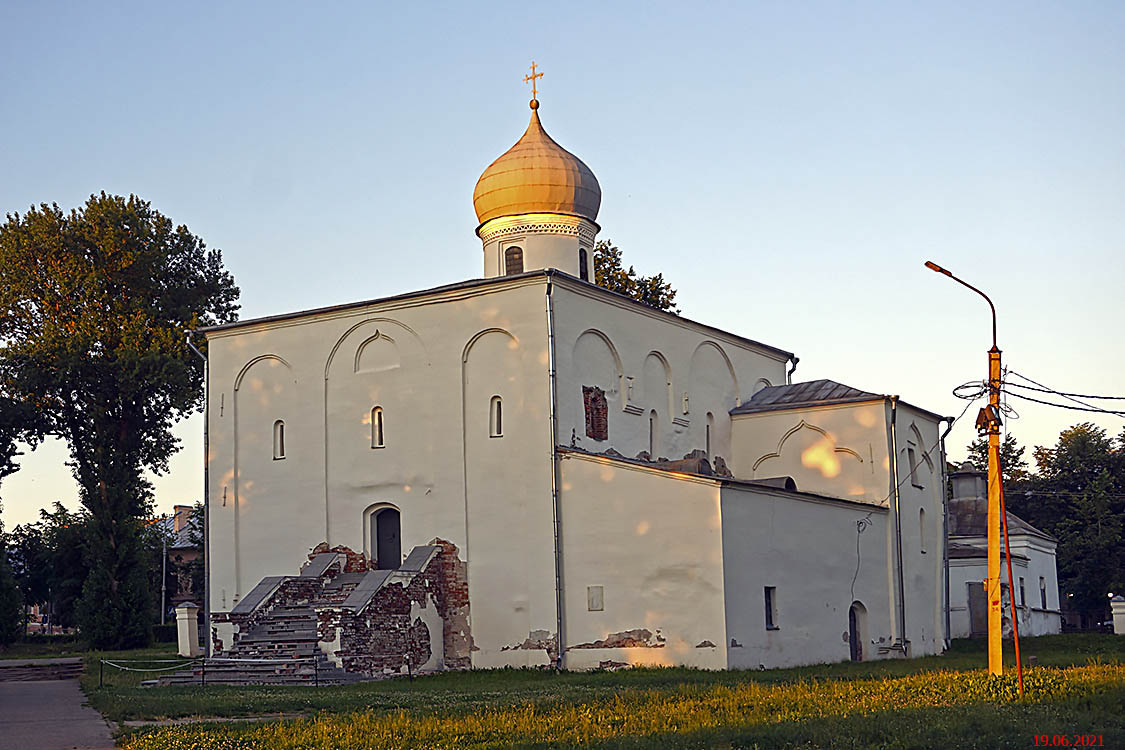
<point x="1069" y="740"/>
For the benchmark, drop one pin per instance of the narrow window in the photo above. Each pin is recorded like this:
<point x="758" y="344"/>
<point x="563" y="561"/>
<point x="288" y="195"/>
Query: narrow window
<point x="496" y="417"/>
<point x="1023" y="598"/>
<point x="708" y="430"/>
<point x="513" y="260"/>
<point x="1042" y="592"/>
<point x="922" y="528"/>
<point x="583" y="271"/>
<point x="377" y="427"/>
<point x="653" y="435"/>
<point x="771" y="608"/>
<point x="597" y="412"/>
<point x="913" y="466"/>
<point x="278" y="440"/>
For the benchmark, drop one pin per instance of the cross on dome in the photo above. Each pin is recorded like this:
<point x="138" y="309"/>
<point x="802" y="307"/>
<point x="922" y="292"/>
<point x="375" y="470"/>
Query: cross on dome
<point x="531" y="78"/>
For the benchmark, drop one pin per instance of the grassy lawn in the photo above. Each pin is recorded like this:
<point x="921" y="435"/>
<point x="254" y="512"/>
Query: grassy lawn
<point x="896" y="703"/>
<point x="43" y="647"/>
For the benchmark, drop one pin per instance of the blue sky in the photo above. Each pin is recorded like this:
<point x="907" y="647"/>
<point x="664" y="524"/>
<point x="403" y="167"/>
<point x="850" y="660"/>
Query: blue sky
<point x="788" y="166"/>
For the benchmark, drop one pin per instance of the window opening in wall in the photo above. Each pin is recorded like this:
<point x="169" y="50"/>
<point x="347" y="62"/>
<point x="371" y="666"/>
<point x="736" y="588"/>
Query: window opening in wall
<point x="597" y="412"/>
<point x="513" y="261"/>
<point x="913" y="460"/>
<point x="771" y="608"/>
<point x="377" y="427"/>
<point x="278" y="440"/>
<point x="1042" y="592"/>
<point x="1023" y="599"/>
<point x="653" y="434"/>
<point x="583" y="271"/>
<point x="922" y="529"/>
<point x="708" y="430"/>
<point x="496" y="417"/>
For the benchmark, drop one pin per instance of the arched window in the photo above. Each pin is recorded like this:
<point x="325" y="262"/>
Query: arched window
<point x="583" y="271"/>
<point x="496" y="417"/>
<point x="278" y="440"/>
<point x="377" y="427"/>
<point x="922" y="528"/>
<point x="653" y="434"/>
<point x="710" y="429"/>
<point x="513" y="260"/>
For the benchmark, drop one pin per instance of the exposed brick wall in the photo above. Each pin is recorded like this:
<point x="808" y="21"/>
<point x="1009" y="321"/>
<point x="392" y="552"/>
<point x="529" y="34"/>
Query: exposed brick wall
<point x="357" y="561"/>
<point x="597" y="412"/>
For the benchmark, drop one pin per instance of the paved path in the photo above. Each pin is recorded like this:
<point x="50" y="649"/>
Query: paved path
<point x="49" y="715"/>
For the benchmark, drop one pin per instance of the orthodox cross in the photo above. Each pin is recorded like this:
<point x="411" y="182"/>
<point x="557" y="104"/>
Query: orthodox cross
<point x="531" y="78"/>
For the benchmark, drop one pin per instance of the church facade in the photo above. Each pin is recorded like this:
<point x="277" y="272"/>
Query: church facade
<point x="601" y="482"/>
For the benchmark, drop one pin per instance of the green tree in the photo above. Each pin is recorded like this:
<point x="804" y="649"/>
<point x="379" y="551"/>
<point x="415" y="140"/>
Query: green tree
<point x="94" y="305"/>
<point x="609" y="272"/>
<point x="1011" y="456"/>
<point x="11" y="603"/>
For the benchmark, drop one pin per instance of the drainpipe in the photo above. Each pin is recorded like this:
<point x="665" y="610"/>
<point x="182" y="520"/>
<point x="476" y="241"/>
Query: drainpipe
<point x="560" y="640"/>
<point x="898" y="526"/>
<point x="789" y="375"/>
<point x="945" y="523"/>
<point x="206" y="494"/>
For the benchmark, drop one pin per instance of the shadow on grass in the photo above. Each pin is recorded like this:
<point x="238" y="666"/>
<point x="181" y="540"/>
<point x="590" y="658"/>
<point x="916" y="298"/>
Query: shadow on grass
<point x="983" y="726"/>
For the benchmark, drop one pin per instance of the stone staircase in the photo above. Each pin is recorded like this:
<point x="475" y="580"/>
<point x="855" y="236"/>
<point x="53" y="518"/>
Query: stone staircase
<point x="280" y="647"/>
<point x="338" y="621"/>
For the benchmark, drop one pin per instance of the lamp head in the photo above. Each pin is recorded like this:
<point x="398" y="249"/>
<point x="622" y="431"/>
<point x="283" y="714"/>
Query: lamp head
<point x="935" y="267"/>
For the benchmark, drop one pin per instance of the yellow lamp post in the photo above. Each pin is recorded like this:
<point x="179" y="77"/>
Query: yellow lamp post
<point x="989" y="421"/>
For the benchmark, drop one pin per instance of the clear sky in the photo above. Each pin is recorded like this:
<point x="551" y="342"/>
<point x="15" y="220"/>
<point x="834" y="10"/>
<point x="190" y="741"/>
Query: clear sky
<point x="788" y="166"/>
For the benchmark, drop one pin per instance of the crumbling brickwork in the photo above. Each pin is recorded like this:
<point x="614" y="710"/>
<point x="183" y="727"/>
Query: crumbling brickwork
<point x="597" y="412"/>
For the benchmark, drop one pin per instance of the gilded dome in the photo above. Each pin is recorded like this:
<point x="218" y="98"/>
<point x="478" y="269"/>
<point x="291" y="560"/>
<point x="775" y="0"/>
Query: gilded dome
<point x="537" y="175"/>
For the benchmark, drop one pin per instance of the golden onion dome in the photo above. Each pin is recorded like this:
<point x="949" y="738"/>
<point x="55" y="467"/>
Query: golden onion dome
<point x="537" y="175"/>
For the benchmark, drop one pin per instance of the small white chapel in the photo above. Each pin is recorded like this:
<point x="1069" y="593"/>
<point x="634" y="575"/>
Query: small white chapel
<point x="527" y="469"/>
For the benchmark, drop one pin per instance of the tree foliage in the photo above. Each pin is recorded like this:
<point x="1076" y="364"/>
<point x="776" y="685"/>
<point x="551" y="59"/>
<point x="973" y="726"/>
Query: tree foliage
<point x="11" y="603"/>
<point x="49" y="558"/>
<point x="609" y="272"/>
<point x="1011" y="458"/>
<point x="94" y="305"/>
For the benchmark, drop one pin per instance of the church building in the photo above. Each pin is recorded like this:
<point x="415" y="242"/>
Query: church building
<point x="527" y="469"/>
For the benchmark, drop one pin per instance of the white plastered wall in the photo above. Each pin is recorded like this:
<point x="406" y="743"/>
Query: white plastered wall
<point x="1032" y="557"/>
<point x="653" y="541"/>
<point x="839" y="451"/>
<point x="806" y="548"/>
<point x="622" y="347"/>
<point x="432" y="363"/>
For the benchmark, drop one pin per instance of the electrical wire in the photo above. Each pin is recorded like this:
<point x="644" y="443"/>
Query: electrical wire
<point x="1068" y="397"/>
<point x="1059" y="393"/>
<point x="1092" y="409"/>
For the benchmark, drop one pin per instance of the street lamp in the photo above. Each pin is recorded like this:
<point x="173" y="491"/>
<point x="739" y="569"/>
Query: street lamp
<point x="989" y="421"/>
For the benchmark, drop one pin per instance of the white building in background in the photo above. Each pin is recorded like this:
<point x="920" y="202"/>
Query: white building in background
<point x="1033" y="566"/>
<point x="633" y="485"/>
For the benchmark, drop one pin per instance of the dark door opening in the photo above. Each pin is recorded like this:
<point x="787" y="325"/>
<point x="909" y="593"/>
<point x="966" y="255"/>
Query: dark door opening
<point x="388" y="545"/>
<point x="855" y="645"/>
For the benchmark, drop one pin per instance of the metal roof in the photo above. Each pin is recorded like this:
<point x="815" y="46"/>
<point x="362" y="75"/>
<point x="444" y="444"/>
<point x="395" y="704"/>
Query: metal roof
<point x="800" y="395"/>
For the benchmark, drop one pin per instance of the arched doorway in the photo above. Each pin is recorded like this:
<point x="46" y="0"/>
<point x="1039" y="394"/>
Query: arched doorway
<point x="386" y="542"/>
<point x="857" y="629"/>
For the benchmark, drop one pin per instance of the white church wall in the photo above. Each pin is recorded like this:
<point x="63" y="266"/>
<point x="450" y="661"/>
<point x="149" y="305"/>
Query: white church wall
<point x="1033" y="558"/>
<point x="433" y="365"/>
<point x="642" y="565"/>
<point x="921" y="502"/>
<point x="621" y="347"/>
<point x="805" y="549"/>
<point x="839" y="451"/>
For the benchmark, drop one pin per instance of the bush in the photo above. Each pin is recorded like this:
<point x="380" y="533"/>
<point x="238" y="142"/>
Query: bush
<point x="164" y="633"/>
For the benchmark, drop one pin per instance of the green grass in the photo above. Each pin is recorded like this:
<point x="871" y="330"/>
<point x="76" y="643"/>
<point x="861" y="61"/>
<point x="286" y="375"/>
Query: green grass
<point x="934" y="709"/>
<point x="43" y="647"/>
<point x="122" y="699"/>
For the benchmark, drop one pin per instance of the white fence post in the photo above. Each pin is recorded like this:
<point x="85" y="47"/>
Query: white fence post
<point x="187" y="630"/>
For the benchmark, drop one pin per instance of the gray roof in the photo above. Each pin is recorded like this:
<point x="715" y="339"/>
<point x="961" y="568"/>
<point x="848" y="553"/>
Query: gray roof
<point x="968" y="517"/>
<point x="801" y="395"/>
